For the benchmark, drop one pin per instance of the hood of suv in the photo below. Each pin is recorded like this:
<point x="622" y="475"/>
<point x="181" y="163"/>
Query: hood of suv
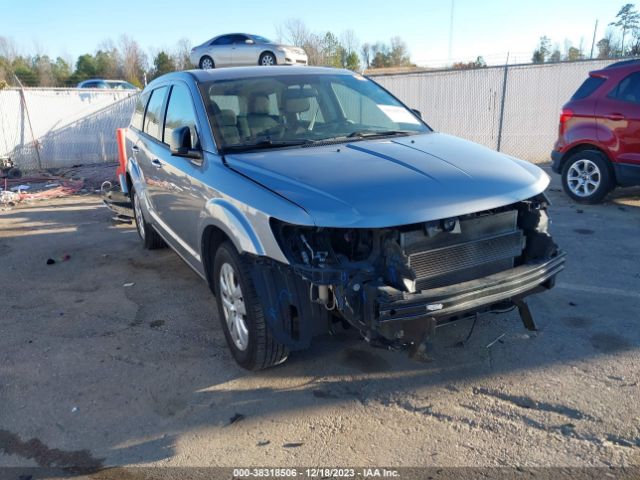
<point x="390" y="182"/>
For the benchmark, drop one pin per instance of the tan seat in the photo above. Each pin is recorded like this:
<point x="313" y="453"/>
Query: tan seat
<point x="228" y="127"/>
<point x="258" y="117"/>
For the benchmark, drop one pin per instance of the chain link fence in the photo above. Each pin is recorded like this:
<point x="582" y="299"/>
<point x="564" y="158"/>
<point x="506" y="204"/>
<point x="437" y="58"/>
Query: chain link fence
<point x="513" y="109"/>
<point x="56" y="127"/>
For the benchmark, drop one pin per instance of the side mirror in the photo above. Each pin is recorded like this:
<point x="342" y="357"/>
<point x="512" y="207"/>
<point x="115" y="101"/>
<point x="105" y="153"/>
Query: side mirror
<point x="180" y="144"/>
<point x="248" y="41"/>
<point x="417" y="112"/>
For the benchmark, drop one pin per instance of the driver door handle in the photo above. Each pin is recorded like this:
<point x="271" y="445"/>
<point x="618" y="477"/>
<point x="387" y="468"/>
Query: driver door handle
<point x="156" y="163"/>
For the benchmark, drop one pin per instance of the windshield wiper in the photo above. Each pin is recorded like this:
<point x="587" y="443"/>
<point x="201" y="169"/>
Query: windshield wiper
<point x="264" y="144"/>
<point x="379" y="133"/>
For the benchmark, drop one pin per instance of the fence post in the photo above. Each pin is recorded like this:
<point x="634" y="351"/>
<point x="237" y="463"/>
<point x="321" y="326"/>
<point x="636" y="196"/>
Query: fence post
<point x="502" y="102"/>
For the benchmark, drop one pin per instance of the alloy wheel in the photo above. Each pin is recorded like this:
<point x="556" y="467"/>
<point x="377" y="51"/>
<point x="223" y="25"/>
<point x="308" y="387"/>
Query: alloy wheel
<point x="235" y="312"/>
<point x="583" y="178"/>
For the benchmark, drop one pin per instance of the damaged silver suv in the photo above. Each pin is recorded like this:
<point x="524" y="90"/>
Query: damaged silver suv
<point x="312" y="197"/>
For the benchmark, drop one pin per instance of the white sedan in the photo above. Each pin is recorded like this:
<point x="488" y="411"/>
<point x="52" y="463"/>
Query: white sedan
<point x="241" y="49"/>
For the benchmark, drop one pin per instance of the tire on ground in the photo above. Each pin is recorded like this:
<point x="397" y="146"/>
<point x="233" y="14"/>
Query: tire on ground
<point x="607" y="180"/>
<point x="263" y="349"/>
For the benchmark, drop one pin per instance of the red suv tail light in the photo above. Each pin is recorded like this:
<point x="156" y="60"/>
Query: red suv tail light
<point x="565" y="115"/>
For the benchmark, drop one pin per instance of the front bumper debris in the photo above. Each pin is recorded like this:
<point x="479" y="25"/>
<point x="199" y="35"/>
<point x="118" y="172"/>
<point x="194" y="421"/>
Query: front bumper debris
<point x="448" y="301"/>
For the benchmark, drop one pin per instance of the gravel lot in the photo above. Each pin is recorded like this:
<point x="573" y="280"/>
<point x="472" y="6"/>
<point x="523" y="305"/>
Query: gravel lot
<point x="96" y="373"/>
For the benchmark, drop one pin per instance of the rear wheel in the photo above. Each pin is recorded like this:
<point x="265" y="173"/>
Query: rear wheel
<point x="267" y="59"/>
<point x="150" y="238"/>
<point x="587" y="177"/>
<point x="241" y="314"/>
<point x="206" y="63"/>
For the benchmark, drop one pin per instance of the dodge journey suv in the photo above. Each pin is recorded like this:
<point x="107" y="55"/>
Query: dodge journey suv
<point x="313" y="198"/>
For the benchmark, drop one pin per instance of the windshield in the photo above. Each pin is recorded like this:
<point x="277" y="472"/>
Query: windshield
<point x="283" y="110"/>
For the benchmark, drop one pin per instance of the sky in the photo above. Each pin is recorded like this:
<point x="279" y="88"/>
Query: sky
<point x="491" y="28"/>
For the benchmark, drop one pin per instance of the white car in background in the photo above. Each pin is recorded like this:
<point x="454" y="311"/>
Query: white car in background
<point x="242" y="49"/>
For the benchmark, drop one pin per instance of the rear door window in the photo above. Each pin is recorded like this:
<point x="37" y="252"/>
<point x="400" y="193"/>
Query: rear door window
<point x="224" y="40"/>
<point x="154" y="115"/>
<point x="628" y="90"/>
<point x="589" y="86"/>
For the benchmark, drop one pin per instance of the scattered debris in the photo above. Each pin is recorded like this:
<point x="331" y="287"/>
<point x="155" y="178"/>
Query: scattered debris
<point x="156" y="323"/>
<point x="293" y="445"/>
<point x="572" y="304"/>
<point x="496" y="341"/>
<point x="128" y="284"/>
<point x="64" y="258"/>
<point x="74" y="409"/>
<point x="54" y="183"/>
<point x="236" y="418"/>
<point x="263" y="443"/>
<point x="579" y="210"/>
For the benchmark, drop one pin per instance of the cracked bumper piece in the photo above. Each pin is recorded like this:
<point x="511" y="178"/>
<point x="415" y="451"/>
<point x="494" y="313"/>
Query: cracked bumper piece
<point x="439" y="305"/>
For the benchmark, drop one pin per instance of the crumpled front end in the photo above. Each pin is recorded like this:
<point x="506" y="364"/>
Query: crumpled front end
<point x="397" y="285"/>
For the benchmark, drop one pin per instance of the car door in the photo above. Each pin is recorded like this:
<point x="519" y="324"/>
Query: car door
<point x="220" y="50"/>
<point x="149" y="150"/>
<point x="179" y="198"/>
<point x="619" y="117"/>
<point x="243" y="53"/>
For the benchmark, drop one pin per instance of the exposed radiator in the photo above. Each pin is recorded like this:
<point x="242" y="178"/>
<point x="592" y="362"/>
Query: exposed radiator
<point x="487" y="244"/>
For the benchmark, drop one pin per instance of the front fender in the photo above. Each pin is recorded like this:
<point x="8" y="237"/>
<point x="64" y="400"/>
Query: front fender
<point x="246" y="236"/>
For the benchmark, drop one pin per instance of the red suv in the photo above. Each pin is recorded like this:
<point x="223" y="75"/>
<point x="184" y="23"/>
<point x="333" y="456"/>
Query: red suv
<point x="598" y="146"/>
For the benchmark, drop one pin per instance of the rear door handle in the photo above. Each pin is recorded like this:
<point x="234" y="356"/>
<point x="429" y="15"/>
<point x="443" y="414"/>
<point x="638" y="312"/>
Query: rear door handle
<point x="135" y="148"/>
<point x="615" y="116"/>
<point x="156" y="163"/>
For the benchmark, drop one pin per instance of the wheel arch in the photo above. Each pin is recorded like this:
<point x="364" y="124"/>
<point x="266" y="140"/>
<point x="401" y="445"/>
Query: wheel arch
<point x="581" y="147"/>
<point x="224" y="222"/>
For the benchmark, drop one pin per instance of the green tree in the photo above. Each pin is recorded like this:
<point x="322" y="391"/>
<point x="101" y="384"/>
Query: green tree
<point x="540" y="54"/>
<point x="85" y="67"/>
<point x="353" y="62"/>
<point x="574" y="54"/>
<point x="162" y="64"/>
<point x="628" y="19"/>
<point x="61" y="72"/>
<point x="23" y="69"/>
<point x="106" y="63"/>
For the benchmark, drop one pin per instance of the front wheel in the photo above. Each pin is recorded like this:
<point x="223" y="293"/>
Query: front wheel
<point x="241" y="314"/>
<point x="267" y="59"/>
<point x="587" y="177"/>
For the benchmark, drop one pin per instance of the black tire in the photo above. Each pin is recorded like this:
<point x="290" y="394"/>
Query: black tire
<point x="204" y="60"/>
<point x="265" y="58"/>
<point x="586" y="192"/>
<point x="14" y="173"/>
<point x="151" y="240"/>
<point x="262" y="350"/>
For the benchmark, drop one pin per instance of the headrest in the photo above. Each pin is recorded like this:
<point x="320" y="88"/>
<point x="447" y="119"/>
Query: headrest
<point x="260" y="105"/>
<point x="227" y="118"/>
<point x="297" y="105"/>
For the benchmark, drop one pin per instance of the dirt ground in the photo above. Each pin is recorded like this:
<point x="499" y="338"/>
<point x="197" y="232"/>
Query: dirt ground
<point x="115" y="357"/>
